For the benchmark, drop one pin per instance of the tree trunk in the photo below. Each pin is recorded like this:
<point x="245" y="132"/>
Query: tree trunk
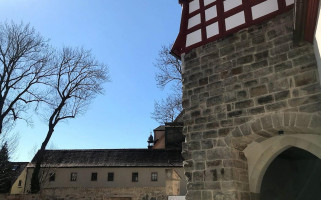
<point x="35" y="183"/>
<point x="1" y="125"/>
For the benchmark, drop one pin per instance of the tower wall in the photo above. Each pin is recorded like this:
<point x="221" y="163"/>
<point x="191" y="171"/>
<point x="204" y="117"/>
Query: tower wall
<point x="245" y="88"/>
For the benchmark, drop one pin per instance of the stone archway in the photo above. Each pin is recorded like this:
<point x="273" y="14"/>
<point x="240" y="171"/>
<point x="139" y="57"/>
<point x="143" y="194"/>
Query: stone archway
<point x="270" y="124"/>
<point x="263" y="138"/>
<point x="261" y="155"/>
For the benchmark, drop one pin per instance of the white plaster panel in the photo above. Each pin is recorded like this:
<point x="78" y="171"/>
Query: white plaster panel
<point x="194" y="37"/>
<point x="194" y="5"/>
<point x="193" y="21"/>
<point x="176" y="197"/>
<point x="317" y="42"/>
<point x="289" y="2"/>
<point x="235" y="20"/>
<point x="264" y="8"/>
<point x="212" y="30"/>
<point x="206" y="2"/>
<point x="210" y="13"/>
<point x="230" y="4"/>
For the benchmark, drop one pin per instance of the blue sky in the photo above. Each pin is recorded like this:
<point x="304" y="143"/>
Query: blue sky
<point x="126" y="35"/>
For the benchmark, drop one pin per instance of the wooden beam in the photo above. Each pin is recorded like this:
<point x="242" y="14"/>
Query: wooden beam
<point x="306" y="13"/>
<point x="300" y="20"/>
<point x="311" y="19"/>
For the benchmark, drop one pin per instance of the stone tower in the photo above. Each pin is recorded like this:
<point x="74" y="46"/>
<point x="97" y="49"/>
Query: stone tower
<point x="252" y="99"/>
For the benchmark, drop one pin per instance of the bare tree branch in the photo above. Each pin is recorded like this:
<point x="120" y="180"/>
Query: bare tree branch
<point x="167" y="110"/>
<point x="169" y="73"/>
<point x="170" y="68"/>
<point x="24" y="56"/>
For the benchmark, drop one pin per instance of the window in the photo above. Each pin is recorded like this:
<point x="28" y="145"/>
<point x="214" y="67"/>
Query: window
<point x="154" y="176"/>
<point x="110" y="176"/>
<point x="52" y="176"/>
<point x="73" y="176"/>
<point x="94" y="176"/>
<point x="15" y="167"/>
<point x="20" y="183"/>
<point x="135" y="177"/>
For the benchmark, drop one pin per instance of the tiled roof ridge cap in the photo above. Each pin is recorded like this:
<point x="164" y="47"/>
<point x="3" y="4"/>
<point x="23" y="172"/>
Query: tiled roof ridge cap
<point x="132" y="149"/>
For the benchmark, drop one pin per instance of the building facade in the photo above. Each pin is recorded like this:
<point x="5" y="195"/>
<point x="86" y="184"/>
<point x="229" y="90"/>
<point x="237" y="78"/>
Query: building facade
<point x="127" y="174"/>
<point x="168" y="136"/>
<point x="252" y="99"/>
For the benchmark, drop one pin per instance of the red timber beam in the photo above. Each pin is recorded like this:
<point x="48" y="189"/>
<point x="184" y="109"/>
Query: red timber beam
<point x="223" y="15"/>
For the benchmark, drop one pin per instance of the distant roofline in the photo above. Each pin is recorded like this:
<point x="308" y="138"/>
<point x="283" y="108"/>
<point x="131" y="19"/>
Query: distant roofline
<point x="160" y="128"/>
<point x="131" y="149"/>
<point x="14" y="162"/>
<point x="31" y="165"/>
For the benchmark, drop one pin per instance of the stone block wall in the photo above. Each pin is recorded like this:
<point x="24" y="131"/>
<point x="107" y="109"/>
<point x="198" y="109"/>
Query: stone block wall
<point x="139" y="193"/>
<point x="246" y="87"/>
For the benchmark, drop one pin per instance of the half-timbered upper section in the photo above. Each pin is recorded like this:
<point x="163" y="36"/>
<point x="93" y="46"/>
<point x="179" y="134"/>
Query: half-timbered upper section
<point x="204" y="21"/>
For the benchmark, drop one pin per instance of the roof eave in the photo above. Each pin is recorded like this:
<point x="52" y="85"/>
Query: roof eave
<point x="116" y="166"/>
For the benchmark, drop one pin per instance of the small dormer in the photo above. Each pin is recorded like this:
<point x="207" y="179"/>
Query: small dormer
<point x="205" y="21"/>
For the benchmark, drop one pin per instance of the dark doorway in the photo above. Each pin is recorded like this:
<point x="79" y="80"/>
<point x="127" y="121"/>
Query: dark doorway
<point x="293" y="175"/>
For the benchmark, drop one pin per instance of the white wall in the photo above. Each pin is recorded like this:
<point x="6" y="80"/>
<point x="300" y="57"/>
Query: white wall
<point x="317" y="42"/>
<point x="176" y="198"/>
<point x="122" y="177"/>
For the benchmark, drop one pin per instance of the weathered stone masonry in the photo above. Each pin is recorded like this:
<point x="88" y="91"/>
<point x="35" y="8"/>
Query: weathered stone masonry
<point x="246" y="87"/>
<point x="139" y="193"/>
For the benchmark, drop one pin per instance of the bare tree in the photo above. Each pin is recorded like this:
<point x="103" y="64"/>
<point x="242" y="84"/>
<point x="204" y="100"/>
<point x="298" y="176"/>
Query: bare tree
<point x="169" y="73"/>
<point x="167" y="110"/>
<point x="46" y="172"/>
<point x="169" y="68"/>
<point x="78" y="78"/>
<point x="23" y="65"/>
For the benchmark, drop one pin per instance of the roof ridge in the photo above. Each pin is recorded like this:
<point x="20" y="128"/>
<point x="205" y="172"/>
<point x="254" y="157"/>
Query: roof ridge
<point x="132" y="149"/>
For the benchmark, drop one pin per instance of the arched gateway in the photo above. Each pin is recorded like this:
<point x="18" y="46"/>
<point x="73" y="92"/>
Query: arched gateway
<point x="283" y="153"/>
<point x="293" y="174"/>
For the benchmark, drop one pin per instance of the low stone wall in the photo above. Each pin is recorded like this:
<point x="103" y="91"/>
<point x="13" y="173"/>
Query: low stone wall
<point x="146" y="193"/>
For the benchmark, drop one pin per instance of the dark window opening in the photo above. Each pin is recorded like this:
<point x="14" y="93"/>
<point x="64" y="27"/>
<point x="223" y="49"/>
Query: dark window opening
<point x="135" y="177"/>
<point x="20" y="183"/>
<point x="52" y="176"/>
<point x="15" y="167"/>
<point x="154" y="176"/>
<point x="110" y="176"/>
<point x="73" y="176"/>
<point x="94" y="176"/>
